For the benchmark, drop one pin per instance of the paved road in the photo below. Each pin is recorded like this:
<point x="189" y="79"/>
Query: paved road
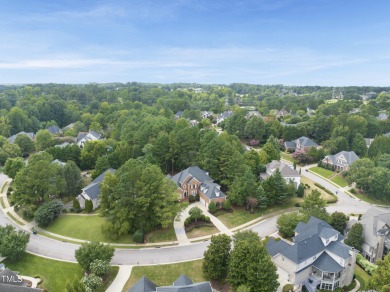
<point x="65" y="251"/>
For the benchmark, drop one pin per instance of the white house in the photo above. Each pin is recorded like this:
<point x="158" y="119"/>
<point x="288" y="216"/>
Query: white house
<point x="87" y="136"/>
<point x="288" y="173"/>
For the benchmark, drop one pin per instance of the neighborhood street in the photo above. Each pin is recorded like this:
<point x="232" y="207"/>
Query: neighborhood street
<point x="65" y="251"/>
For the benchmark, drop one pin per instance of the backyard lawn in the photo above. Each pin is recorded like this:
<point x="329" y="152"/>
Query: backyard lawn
<point x="55" y="274"/>
<point x="166" y="274"/>
<point x="322" y="171"/>
<point x="240" y="216"/>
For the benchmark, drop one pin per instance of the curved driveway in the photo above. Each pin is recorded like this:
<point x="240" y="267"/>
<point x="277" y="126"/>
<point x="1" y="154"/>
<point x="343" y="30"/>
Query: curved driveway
<point x="65" y="251"/>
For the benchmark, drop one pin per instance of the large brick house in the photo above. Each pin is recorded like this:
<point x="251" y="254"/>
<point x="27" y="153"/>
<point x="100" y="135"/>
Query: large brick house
<point x="303" y="143"/>
<point x="195" y="181"/>
<point x="340" y="161"/>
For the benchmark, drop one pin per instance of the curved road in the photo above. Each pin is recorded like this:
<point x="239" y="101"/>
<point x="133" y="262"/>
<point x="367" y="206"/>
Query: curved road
<point x="65" y="251"/>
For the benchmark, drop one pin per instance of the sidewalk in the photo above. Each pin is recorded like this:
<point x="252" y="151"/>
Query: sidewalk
<point x="218" y="223"/>
<point x="120" y="279"/>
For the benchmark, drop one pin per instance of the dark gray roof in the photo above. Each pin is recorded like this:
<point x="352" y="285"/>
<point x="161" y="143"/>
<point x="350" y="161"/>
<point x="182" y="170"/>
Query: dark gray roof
<point x="327" y="264"/>
<point x="193" y="171"/>
<point x="101" y="177"/>
<point x="29" y="134"/>
<point x="179" y="114"/>
<point x="182" y="281"/>
<point x="308" y="243"/>
<point x="211" y="190"/>
<point x="274" y="247"/>
<point x="82" y="135"/>
<point x="285" y="170"/>
<point x="290" y="144"/>
<point x="54" y="129"/>
<point x="350" y="157"/>
<point x="143" y="285"/>
<point x="8" y="274"/>
<point x="327" y="233"/>
<point x="196" y="287"/>
<point x="307" y="142"/>
<point x="92" y="190"/>
<point x="12" y="288"/>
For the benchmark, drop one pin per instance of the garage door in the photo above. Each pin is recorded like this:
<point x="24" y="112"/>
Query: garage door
<point x="202" y="201"/>
<point x="283" y="275"/>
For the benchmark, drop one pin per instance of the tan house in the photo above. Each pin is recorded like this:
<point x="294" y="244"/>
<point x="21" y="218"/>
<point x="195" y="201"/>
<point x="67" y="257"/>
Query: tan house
<point x="303" y="143"/>
<point x="316" y="259"/>
<point x="195" y="181"/>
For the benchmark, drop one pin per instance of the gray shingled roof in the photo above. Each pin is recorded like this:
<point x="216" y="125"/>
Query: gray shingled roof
<point x="7" y="273"/>
<point x="54" y="129"/>
<point x="274" y="247"/>
<point x="327" y="233"/>
<point x="290" y="144"/>
<point x="28" y="134"/>
<point x="93" y="189"/>
<point x="327" y="264"/>
<point x="308" y="242"/>
<point x="182" y="281"/>
<point x="211" y="190"/>
<point x="350" y="156"/>
<point x="101" y="177"/>
<point x="196" y="287"/>
<point x="143" y="285"/>
<point x="82" y="135"/>
<point x="193" y="171"/>
<point x="284" y="169"/>
<point x="307" y="142"/>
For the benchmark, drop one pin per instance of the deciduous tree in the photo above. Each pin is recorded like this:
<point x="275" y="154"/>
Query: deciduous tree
<point x="216" y="257"/>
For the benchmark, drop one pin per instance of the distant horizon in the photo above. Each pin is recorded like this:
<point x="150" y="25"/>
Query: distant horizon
<point x="291" y="42"/>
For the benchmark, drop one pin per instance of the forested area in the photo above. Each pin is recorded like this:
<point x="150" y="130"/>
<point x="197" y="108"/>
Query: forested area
<point x="137" y="123"/>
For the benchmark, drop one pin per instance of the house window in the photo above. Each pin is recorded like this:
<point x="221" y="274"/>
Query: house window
<point x="326" y="286"/>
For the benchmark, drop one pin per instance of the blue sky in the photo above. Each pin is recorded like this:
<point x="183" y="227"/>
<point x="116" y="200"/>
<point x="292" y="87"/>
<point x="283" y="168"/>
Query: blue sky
<point x="301" y="42"/>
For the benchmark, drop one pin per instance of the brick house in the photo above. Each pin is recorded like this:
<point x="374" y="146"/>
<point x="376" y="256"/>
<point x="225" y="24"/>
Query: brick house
<point x="195" y="181"/>
<point x="340" y="161"/>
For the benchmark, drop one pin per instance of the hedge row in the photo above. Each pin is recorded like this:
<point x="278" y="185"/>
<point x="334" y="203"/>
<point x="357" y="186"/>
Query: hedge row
<point x="365" y="264"/>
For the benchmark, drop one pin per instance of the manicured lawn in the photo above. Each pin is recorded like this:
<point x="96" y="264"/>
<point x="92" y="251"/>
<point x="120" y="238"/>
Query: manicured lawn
<point x="166" y="274"/>
<point x="240" y="216"/>
<point x="161" y="235"/>
<point x="339" y="180"/>
<point x="370" y="200"/>
<point x="362" y="277"/>
<point x="324" y="195"/>
<point x="84" y="227"/>
<point x="322" y="171"/>
<point x="55" y="274"/>
<point x="286" y="156"/>
<point x="202" y="231"/>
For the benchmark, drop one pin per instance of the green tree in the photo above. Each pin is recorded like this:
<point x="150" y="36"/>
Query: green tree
<point x="227" y="205"/>
<point x="339" y="221"/>
<point x="72" y="177"/>
<point x="92" y="282"/>
<point x="383" y="161"/>
<point x="243" y="186"/>
<point x="250" y="265"/>
<point x="43" y="140"/>
<point x="92" y="251"/>
<point x="13" y="243"/>
<point x="246" y="235"/>
<point x="26" y="145"/>
<point x="137" y="196"/>
<point x="212" y="207"/>
<point x="102" y="164"/>
<point x="271" y="148"/>
<point x="216" y="257"/>
<point x="355" y="236"/>
<point x="287" y="223"/>
<point x="360" y="173"/>
<point x="48" y="212"/>
<point x="359" y="145"/>
<point x="381" y="276"/>
<point x="88" y="206"/>
<point x="13" y="166"/>
<point x="195" y="213"/>
<point x="255" y="128"/>
<point x="314" y="205"/>
<point x="75" y="204"/>
<point x="12" y="150"/>
<point x="301" y="191"/>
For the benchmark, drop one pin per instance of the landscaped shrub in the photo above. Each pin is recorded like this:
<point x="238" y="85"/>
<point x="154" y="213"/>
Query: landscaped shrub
<point x="207" y="219"/>
<point x="212" y="207"/>
<point x="28" y="212"/>
<point x="191" y="198"/>
<point x="75" y="204"/>
<point x="187" y="221"/>
<point x="332" y="200"/>
<point x="92" y="282"/>
<point x="297" y="204"/>
<point x="195" y="213"/>
<point x="88" y="206"/>
<point x="218" y="204"/>
<point x="353" y="191"/>
<point x="48" y="212"/>
<point x="301" y="191"/>
<point x="288" y="288"/>
<point x="138" y="236"/>
<point x="100" y="267"/>
<point x="227" y="205"/>
<point x="365" y="264"/>
<point x="320" y="186"/>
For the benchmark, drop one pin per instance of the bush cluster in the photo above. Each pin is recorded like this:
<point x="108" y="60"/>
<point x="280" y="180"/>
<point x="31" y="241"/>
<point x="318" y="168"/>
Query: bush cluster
<point x="202" y="217"/>
<point x="139" y="236"/>
<point x="365" y="264"/>
<point x="48" y="212"/>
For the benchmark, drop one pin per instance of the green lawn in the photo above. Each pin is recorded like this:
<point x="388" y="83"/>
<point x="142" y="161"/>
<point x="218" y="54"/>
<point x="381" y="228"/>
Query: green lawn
<point x="202" y="231"/>
<point x="339" y="180"/>
<point x="370" y="200"/>
<point x="55" y="274"/>
<point x="240" y="216"/>
<point x="322" y="171"/>
<point x="362" y="277"/>
<point x="166" y="274"/>
<point x="286" y="156"/>
<point x="161" y="235"/>
<point x="84" y="227"/>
